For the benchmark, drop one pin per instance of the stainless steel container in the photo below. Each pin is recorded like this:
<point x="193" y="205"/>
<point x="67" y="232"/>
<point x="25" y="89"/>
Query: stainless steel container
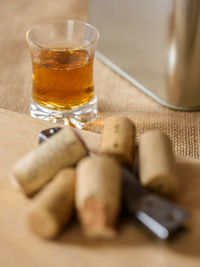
<point x="155" y="44"/>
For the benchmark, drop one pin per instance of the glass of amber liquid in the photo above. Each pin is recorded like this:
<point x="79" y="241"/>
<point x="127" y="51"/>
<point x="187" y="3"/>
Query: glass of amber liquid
<point x="62" y="53"/>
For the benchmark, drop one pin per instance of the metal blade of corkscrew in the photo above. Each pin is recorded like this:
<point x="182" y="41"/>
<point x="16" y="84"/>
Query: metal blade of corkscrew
<point x="44" y="135"/>
<point x="160" y="216"/>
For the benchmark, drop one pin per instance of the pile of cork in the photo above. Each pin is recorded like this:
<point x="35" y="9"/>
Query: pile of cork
<point x="63" y="177"/>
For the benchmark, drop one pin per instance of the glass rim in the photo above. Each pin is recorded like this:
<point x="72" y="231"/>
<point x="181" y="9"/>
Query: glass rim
<point x="30" y="42"/>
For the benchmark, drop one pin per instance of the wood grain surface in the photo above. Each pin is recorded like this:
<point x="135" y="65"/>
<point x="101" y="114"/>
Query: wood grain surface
<point x="133" y="246"/>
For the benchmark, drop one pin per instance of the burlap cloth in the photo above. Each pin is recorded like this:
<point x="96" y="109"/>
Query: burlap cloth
<point x="115" y="94"/>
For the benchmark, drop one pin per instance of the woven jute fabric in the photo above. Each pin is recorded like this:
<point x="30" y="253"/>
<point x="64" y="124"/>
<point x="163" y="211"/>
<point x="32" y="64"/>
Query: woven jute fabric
<point x="116" y="95"/>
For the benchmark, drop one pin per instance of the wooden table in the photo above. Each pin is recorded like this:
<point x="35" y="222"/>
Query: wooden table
<point x="132" y="247"/>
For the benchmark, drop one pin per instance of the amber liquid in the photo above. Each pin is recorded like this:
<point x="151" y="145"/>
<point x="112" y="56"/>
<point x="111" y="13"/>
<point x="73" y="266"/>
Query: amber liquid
<point x="62" y="79"/>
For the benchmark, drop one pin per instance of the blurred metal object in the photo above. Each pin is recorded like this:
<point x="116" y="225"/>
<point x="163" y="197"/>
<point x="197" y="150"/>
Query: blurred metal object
<point x="155" y="44"/>
<point x="46" y="134"/>
<point x="159" y="215"/>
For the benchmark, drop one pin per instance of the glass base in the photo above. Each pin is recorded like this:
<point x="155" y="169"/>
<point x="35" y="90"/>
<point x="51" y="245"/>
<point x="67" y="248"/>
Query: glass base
<point x="76" y="117"/>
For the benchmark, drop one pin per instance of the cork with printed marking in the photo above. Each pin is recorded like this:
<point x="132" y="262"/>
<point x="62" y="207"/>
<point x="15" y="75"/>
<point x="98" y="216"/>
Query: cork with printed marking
<point x="98" y="195"/>
<point x="118" y="139"/>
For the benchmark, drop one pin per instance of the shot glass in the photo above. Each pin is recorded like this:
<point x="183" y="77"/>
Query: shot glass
<point x="62" y="53"/>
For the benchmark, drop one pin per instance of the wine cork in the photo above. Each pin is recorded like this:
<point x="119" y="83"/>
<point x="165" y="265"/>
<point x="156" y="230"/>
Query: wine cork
<point x="118" y="139"/>
<point x="98" y="195"/>
<point x="52" y="208"/>
<point x="39" y="166"/>
<point x="157" y="166"/>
